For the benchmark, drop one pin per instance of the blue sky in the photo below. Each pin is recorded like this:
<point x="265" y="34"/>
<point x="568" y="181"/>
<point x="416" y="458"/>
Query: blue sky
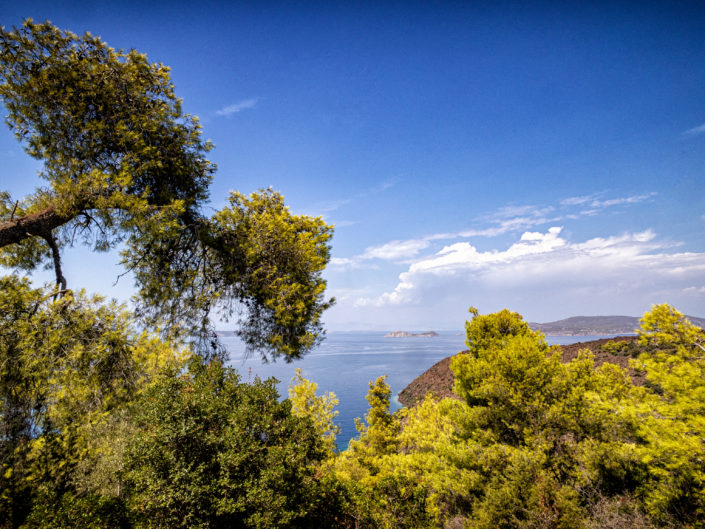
<point x="550" y="160"/>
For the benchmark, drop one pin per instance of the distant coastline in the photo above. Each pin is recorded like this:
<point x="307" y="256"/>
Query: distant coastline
<point x="597" y="325"/>
<point x="574" y="326"/>
<point x="404" y="334"/>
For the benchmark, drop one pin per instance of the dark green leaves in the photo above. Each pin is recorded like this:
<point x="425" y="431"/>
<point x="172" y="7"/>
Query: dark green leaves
<point x="213" y="452"/>
<point x="124" y="166"/>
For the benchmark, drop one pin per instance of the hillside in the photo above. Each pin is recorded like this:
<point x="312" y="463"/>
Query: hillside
<point x="405" y="334"/>
<point x="439" y="379"/>
<point x="596" y="325"/>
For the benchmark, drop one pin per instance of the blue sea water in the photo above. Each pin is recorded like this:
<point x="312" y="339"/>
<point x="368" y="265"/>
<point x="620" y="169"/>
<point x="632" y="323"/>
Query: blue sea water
<point x="346" y="362"/>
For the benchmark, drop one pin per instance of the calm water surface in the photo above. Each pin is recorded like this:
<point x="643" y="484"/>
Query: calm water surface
<point x="347" y="361"/>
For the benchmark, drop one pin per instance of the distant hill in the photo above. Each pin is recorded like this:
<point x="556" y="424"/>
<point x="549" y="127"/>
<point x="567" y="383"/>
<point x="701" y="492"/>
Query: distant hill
<point x="596" y="325"/>
<point x="404" y="334"/>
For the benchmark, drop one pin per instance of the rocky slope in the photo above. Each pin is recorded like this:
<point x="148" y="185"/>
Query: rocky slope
<point x="439" y="379"/>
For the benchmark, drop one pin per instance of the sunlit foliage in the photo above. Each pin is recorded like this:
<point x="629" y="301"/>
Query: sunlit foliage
<point x="535" y="442"/>
<point x="320" y="409"/>
<point x="122" y="165"/>
<point x="70" y="368"/>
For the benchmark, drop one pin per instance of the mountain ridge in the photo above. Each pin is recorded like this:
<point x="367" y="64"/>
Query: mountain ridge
<point x="596" y="325"/>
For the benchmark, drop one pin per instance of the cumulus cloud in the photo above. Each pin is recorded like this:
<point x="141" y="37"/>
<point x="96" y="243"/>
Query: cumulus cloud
<point x="507" y="219"/>
<point x="237" y="107"/>
<point x="627" y="261"/>
<point x="391" y="251"/>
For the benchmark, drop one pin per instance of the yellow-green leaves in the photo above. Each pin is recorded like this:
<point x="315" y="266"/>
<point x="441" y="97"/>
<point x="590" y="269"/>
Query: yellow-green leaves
<point x="535" y="442"/>
<point x="320" y="409"/>
<point x="124" y="165"/>
<point x="270" y="261"/>
<point x="68" y="368"/>
<point x="672" y="416"/>
<point x="486" y="330"/>
<point x="106" y="124"/>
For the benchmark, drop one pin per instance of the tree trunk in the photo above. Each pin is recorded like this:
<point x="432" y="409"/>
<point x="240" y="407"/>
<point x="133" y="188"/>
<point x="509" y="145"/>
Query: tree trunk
<point x="14" y="231"/>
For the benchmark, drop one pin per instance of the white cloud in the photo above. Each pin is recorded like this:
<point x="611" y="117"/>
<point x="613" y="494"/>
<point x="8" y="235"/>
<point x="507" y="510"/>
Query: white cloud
<point x="623" y="200"/>
<point x="391" y="251"/>
<point x="521" y="211"/>
<point x="507" y="219"/>
<point x="694" y="290"/>
<point x="576" y="201"/>
<point x="594" y="202"/>
<point x="395" y="250"/>
<point x="352" y="263"/>
<point x="237" y="107"/>
<point x="463" y="255"/>
<point x="695" y="131"/>
<point x="546" y="260"/>
<point x="515" y="218"/>
<point x="340" y="261"/>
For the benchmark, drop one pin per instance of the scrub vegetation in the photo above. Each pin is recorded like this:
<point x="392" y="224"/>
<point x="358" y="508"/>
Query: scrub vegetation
<point x="116" y="418"/>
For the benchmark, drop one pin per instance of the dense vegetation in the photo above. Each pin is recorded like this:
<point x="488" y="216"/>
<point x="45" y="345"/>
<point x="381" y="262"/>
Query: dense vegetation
<point x="105" y="424"/>
<point x="539" y="443"/>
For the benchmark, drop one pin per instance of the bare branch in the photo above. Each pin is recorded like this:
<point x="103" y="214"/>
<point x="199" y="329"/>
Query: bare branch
<point x="56" y="256"/>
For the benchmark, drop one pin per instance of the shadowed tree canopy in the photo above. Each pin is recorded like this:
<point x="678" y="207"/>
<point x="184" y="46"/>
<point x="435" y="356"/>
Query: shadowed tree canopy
<point x="122" y="165"/>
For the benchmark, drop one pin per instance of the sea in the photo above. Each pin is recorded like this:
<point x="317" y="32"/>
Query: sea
<point x="346" y="362"/>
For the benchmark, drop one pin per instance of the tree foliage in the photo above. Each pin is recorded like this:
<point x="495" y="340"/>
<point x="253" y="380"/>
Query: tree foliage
<point x="69" y="368"/>
<point x="124" y="166"/>
<point x="484" y="331"/>
<point x="211" y="451"/>
<point x="672" y="415"/>
<point x="380" y="495"/>
<point x="103" y="425"/>
<point x="534" y="442"/>
<point x="320" y="409"/>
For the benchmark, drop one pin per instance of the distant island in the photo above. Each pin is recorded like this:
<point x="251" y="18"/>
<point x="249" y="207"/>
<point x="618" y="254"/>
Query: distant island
<point x="596" y="325"/>
<point x="404" y="334"/>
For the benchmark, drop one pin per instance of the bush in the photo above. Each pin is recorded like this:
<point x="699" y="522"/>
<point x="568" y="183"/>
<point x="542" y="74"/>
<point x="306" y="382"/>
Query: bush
<point x="214" y="452"/>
